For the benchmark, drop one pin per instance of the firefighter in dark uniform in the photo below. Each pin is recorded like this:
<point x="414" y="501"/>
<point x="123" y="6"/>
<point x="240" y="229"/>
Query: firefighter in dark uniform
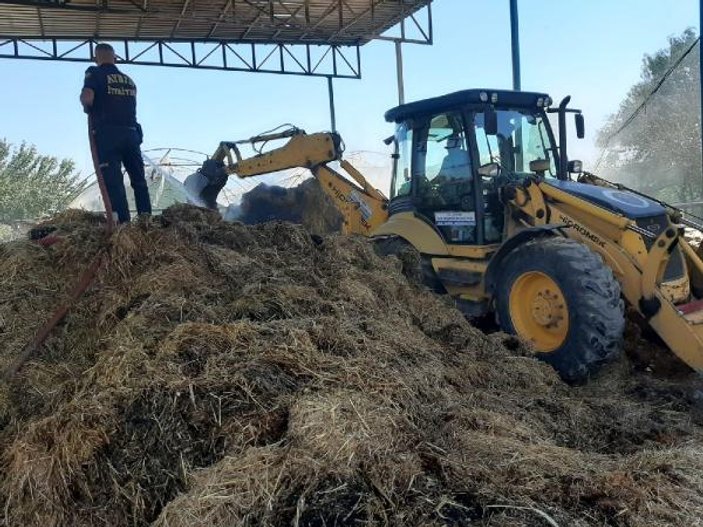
<point x="110" y="97"/>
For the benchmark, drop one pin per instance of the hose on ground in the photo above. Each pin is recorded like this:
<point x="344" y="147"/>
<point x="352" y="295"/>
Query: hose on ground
<point x="85" y="280"/>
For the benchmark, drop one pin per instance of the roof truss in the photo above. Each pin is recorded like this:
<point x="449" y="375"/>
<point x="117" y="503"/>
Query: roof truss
<point x="289" y="59"/>
<point x="299" y="37"/>
<point x="334" y="22"/>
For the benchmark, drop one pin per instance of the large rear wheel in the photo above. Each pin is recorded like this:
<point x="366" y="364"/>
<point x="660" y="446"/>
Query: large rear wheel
<point x="560" y="297"/>
<point x="416" y="267"/>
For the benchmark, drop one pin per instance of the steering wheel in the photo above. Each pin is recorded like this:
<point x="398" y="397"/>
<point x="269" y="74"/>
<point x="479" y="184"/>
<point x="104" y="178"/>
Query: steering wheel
<point x="466" y="202"/>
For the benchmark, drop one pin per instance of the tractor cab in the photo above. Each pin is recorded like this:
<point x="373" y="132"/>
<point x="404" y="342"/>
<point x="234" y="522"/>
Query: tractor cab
<point x="456" y="151"/>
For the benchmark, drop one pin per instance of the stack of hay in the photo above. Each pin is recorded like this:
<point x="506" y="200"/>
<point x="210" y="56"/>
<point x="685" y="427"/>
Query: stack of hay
<point x="219" y="374"/>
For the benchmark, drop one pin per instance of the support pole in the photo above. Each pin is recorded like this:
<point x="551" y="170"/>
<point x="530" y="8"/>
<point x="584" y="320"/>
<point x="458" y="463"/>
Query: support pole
<point x="399" y="70"/>
<point x="333" y="115"/>
<point x="515" y="40"/>
<point x="700" y="79"/>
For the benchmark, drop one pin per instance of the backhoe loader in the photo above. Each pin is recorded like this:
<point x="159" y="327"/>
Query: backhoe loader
<point x="506" y="224"/>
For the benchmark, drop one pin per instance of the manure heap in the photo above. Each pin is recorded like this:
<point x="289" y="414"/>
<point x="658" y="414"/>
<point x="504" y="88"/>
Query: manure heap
<point x="218" y="374"/>
<point x="304" y="204"/>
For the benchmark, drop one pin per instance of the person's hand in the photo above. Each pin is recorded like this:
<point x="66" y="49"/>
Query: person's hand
<point x="87" y="94"/>
<point x="87" y="97"/>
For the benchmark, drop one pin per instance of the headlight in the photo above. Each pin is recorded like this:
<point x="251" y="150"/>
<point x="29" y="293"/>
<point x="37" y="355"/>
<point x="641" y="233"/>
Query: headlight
<point x="494" y="98"/>
<point x="540" y="102"/>
<point x="483" y="96"/>
<point x="547" y="102"/>
<point x="575" y="167"/>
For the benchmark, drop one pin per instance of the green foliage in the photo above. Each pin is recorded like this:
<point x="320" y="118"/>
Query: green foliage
<point x="659" y="151"/>
<point x="32" y="185"/>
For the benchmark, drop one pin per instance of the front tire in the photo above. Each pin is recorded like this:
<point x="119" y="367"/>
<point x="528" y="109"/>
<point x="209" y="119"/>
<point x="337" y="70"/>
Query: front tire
<point x="559" y="296"/>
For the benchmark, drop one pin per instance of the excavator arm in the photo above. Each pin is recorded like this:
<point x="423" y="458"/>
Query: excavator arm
<point x="362" y="206"/>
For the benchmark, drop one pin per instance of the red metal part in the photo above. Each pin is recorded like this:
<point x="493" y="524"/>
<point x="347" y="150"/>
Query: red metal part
<point x="99" y="175"/>
<point x="691" y="307"/>
<point x="83" y="283"/>
<point x="48" y="241"/>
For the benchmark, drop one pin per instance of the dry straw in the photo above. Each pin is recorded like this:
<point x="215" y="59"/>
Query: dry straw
<point x="221" y="374"/>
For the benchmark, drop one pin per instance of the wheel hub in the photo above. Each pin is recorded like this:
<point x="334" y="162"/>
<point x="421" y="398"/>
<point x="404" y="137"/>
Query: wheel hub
<point x="547" y="310"/>
<point x="539" y="311"/>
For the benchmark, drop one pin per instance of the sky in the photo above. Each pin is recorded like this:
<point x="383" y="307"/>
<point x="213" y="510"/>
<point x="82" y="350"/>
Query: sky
<point x="589" y="49"/>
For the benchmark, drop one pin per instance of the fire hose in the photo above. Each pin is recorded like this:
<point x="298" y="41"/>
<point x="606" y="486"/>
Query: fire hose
<point x="84" y="281"/>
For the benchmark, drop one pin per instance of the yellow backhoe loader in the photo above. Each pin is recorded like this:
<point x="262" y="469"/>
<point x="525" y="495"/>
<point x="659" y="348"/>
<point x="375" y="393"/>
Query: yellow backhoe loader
<point x="506" y="224"/>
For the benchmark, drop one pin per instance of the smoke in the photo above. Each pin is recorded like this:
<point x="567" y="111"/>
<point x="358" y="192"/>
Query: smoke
<point x="305" y="204"/>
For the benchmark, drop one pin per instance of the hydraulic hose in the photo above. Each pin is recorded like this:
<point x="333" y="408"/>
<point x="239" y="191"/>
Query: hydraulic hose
<point x="85" y="280"/>
<point x="98" y="173"/>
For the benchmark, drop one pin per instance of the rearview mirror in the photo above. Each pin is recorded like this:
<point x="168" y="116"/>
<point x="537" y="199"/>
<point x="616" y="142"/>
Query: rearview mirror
<point x="489" y="170"/>
<point x="539" y="166"/>
<point x="490" y="121"/>
<point x="580" y="125"/>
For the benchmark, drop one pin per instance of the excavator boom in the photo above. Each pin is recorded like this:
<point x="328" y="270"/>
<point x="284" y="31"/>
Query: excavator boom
<point x="362" y="206"/>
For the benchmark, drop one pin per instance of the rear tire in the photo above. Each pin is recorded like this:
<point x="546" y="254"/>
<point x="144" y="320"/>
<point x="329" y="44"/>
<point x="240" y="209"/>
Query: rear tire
<point x="568" y="299"/>
<point x="417" y="268"/>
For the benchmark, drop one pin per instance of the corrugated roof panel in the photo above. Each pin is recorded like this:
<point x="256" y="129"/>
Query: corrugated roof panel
<point x="346" y="22"/>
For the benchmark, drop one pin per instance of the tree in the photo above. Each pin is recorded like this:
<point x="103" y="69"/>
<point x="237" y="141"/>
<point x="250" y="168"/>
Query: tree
<point x="32" y="185"/>
<point x="656" y="148"/>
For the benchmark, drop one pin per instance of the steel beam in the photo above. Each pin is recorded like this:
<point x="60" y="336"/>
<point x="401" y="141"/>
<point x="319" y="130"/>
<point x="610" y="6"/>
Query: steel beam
<point x="329" y="61"/>
<point x="424" y="28"/>
<point x="399" y="71"/>
<point x="333" y="112"/>
<point x="515" y="44"/>
<point x="341" y="22"/>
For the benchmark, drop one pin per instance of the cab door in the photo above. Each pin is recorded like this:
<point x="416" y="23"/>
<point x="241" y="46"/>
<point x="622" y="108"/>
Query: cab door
<point x="443" y="187"/>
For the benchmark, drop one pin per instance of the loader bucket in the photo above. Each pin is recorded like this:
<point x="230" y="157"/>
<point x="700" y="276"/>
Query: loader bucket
<point x="204" y="186"/>
<point x="680" y="325"/>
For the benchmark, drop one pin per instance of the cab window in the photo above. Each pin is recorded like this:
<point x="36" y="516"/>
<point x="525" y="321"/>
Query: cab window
<point x="402" y="180"/>
<point x="443" y="177"/>
<point x="443" y="162"/>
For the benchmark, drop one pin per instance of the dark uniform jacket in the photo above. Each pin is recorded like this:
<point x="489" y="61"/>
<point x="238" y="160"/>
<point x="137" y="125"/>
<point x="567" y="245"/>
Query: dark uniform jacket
<point x="115" y="103"/>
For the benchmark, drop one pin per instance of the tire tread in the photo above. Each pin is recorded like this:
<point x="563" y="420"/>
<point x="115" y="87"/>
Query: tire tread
<point x="596" y="309"/>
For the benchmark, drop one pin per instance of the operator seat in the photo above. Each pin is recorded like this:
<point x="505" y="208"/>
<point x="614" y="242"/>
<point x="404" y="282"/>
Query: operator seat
<point x="454" y="177"/>
<point x="455" y="164"/>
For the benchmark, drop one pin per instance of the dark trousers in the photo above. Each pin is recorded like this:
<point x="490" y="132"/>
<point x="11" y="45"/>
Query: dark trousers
<point x="117" y="146"/>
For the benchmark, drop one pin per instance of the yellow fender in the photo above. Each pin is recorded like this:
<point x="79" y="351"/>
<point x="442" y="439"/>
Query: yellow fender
<point x="418" y="233"/>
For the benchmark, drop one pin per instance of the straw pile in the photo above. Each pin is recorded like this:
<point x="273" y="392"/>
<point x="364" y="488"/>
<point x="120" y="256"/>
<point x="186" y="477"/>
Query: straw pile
<point x="219" y="374"/>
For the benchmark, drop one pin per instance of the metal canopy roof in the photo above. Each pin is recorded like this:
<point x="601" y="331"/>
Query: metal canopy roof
<point x="329" y="22"/>
<point x="465" y="97"/>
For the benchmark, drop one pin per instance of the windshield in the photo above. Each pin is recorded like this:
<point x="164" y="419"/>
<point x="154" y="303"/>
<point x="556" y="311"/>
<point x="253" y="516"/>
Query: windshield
<point x="522" y="138"/>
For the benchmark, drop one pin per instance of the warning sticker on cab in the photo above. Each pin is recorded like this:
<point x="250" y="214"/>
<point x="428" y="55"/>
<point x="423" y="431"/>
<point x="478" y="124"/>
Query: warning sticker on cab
<point x="454" y="218"/>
